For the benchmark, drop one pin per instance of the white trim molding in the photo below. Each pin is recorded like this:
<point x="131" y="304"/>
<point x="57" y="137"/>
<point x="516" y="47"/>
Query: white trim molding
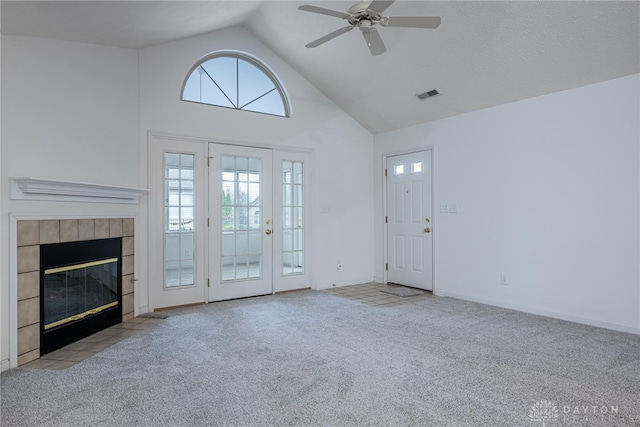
<point x="30" y="188"/>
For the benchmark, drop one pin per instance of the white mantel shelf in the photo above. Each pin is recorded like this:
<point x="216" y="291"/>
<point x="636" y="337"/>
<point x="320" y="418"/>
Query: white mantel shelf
<point x="70" y="191"/>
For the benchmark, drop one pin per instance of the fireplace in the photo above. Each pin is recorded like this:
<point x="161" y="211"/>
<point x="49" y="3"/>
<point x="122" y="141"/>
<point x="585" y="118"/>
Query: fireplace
<point x="34" y="236"/>
<point x="81" y="290"/>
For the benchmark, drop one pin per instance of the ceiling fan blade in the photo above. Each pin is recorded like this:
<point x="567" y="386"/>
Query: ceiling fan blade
<point x="323" y="11"/>
<point x="329" y="36"/>
<point x="412" y="21"/>
<point x="380" y="5"/>
<point x="374" y="41"/>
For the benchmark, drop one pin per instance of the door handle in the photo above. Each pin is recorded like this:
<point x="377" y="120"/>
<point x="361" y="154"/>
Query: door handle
<point x="427" y="230"/>
<point x="267" y="231"/>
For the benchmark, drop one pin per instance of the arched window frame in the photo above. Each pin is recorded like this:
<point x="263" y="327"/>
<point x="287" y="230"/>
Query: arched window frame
<point x="252" y="60"/>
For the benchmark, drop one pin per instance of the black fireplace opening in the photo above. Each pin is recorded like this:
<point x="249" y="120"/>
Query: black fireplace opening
<point x="80" y="290"/>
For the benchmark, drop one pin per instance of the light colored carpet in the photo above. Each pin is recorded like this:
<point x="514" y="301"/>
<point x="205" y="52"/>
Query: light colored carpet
<point x="402" y="291"/>
<point x="313" y="359"/>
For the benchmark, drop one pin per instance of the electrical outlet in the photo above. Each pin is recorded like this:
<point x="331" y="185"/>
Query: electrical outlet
<point x="503" y="279"/>
<point x="444" y="207"/>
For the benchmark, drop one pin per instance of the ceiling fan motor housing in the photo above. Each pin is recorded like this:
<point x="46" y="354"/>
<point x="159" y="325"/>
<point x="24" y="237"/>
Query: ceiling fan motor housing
<point x="361" y="16"/>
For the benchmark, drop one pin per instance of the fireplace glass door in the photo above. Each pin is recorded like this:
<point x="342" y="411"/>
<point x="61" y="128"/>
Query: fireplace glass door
<point x="80" y="290"/>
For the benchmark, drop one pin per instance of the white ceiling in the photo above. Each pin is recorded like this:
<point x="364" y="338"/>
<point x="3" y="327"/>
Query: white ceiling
<point x="484" y="53"/>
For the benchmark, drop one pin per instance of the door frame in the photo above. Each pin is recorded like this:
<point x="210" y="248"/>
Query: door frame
<point x="155" y="218"/>
<point x="385" y="213"/>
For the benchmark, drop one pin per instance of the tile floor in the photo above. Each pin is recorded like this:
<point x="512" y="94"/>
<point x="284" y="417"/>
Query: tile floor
<point x="87" y="347"/>
<point x="372" y="294"/>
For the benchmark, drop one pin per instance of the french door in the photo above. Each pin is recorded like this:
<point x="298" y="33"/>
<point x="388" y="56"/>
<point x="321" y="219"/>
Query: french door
<point x="409" y="220"/>
<point x="177" y="249"/>
<point x="241" y="222"/>
<point x="228" y="221"/>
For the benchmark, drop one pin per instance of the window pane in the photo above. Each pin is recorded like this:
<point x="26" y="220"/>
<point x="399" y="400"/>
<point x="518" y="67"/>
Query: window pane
<point x="270" y="104"/>
<point x="186" y="246"/>
<point x="254" y="218"/>
<point x="232" y="81"/>
<point x="228" y="268"/>
<point x="253" y="82"/>
<point x="172" y="274"/>
<point x="254" y="167"/>
<point x="186" y="274"/>
<point x="179" y="220"/>
<point x="191" y="90"/>
<point x="228" y="244"/>
<point x="416" y="167"/>
<point x="224" y="72"/>
<point x="242" y="267"/>
<point x="172" y="247"/>
<point x="211" y="94"/>
<point x="398" y="169"/>
<point x="255" y="241"/>
<point x="287" y="263"/>
<point x="242" y="236"/>
<point x="292" y="210"/>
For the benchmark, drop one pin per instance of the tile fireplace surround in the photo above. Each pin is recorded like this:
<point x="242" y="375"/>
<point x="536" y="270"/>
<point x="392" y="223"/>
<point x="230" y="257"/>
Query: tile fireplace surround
<point x="30" y="235"/>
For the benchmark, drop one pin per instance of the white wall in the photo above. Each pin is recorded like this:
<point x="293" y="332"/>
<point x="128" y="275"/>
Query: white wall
<point x="70" y="112"/>
<point x="548" y="193"/>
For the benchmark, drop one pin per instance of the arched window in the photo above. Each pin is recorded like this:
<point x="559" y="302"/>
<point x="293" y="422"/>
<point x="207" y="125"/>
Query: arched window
<point x="235" y="80"/>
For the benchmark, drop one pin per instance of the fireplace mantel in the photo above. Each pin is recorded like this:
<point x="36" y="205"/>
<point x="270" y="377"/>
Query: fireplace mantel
<point x="56" y="190"/>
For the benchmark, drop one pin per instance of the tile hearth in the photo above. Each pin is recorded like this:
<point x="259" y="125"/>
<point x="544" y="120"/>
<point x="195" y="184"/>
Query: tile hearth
<point x="92" y="345"/>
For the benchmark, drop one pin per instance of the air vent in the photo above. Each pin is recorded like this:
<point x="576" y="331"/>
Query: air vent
<point x="429" y="94"/>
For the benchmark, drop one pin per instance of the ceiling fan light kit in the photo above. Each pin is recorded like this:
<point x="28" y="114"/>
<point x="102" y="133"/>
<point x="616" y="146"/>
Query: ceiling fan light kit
<point x="366" y="15"/>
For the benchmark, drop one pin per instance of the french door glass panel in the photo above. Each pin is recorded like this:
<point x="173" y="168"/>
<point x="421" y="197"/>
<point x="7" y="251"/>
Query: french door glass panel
<point x="179" y="220"/>
<point x="293" y="217"/>
<point x="241" y="205"/>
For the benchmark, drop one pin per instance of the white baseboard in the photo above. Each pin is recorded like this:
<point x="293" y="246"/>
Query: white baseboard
<point x="561" y="316"/>
<point x="4" y="365"/>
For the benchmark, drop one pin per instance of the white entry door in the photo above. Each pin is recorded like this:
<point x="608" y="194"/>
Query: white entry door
<point x="409" y="220"/>
<point x="241" y="222"/>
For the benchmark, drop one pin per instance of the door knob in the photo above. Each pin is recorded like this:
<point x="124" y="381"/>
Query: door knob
<point x="267" y="231"/>
<point x="427" y="230"/>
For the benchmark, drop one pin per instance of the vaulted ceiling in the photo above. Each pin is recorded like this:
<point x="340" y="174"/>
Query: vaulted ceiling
<point x="483" y="54"/>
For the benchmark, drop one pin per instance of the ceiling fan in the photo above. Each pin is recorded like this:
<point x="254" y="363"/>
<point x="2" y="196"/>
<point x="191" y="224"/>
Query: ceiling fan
<point x="366" y="15"/>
